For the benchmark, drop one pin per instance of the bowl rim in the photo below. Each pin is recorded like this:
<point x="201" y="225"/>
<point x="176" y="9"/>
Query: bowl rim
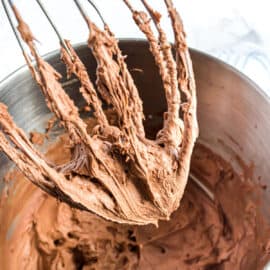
<point x="78" y="45"/>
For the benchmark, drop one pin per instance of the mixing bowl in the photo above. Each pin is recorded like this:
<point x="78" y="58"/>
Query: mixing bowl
<point x="233" y="113"/>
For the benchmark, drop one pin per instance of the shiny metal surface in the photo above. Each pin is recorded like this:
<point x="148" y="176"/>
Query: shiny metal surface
<point x="234" y="115"/>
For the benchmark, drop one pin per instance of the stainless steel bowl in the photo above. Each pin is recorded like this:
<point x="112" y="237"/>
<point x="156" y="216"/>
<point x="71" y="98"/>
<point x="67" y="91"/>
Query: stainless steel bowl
<point x="233" y="113"/>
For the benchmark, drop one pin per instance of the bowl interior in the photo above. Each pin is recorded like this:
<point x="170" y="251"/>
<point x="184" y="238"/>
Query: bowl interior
<point x="233" y="112"/>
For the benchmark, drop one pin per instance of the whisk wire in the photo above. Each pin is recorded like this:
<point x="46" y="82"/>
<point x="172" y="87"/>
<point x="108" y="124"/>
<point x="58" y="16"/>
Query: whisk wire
<point x="84" y="13"/>
<point x="11" y="22"/>
<point x="45" y="12"/>
<point x="97" y="10"/>
<point x="62" y="41"/>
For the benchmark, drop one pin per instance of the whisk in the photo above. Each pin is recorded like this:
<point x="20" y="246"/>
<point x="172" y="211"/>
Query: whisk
<point x="115" y="172"/>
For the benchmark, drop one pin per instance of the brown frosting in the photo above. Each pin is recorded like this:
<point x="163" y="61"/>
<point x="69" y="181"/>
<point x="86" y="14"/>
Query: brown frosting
<point x="37" y="138"/>
<point x="230" y="232"/>
<point x="107" y="166"/>
<point x="115" y="172"/>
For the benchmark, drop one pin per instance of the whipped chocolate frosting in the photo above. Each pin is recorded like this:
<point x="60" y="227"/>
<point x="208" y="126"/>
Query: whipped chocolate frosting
<point x="115" y="172"/>
<point x="107" y="166"/>
<point x="227" y="233"/>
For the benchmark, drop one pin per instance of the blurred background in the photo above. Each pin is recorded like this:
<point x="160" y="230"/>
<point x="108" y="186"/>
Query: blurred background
<point x="235" y="31"/>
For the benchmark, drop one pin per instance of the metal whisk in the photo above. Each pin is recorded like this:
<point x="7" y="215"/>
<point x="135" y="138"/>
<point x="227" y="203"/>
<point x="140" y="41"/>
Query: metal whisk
<point x="75" y="127"/>
<point x="5" y="4"/>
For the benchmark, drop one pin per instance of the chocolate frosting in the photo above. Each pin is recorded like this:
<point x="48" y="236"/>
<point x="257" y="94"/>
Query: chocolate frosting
<point x="115" y="172"/>
<point x="107" y="166"/>
<point x="229" y="232"/>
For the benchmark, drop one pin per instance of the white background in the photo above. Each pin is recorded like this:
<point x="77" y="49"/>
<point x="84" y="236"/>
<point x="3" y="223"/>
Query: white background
<point x="236" y="31"/>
